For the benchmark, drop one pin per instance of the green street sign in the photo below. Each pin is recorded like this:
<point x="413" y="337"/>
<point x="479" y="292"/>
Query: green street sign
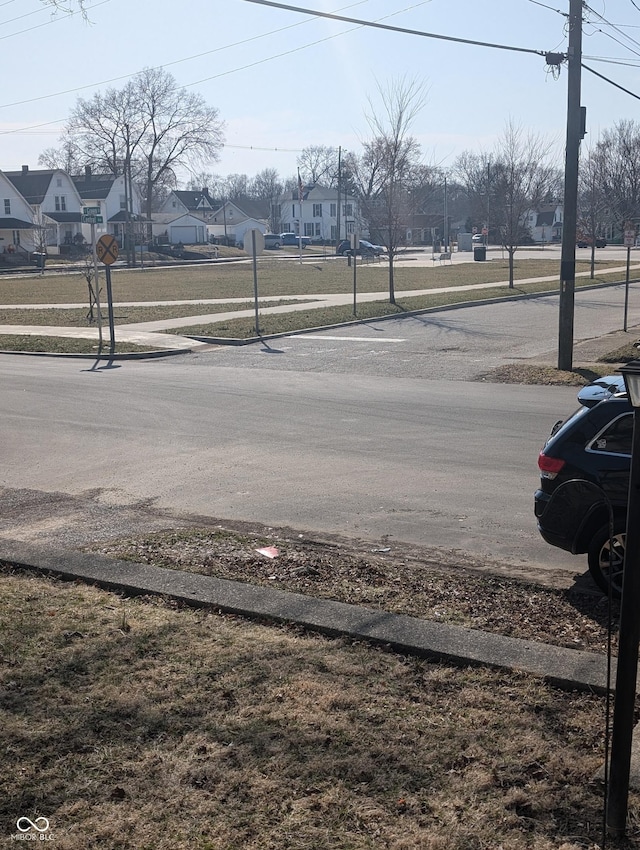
<point x="90" y="210"/>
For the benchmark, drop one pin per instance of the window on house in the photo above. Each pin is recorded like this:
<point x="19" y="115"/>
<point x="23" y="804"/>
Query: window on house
<point x="347" y="209"/>
<point x="333" y="209"/>
<point x="59" y="182"/>
<point x="60" y="203"/>
<point x="317" y="210"/>
<point x="16" y="237"/>
<point x="308" y="228"/>
<point x="334" y="232"/>
<point x="123" y="202"/>
<point x="350" y="228"/>
<point x="318" y="229"/>
<point x="7" y="206"/>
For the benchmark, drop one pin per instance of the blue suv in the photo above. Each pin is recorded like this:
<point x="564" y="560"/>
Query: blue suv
<point x="581" y="504"/>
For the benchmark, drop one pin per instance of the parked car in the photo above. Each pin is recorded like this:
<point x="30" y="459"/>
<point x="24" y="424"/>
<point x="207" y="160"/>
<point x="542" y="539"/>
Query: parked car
<point x="581" y="505"/>
<point x="272" y="240"/>
<point x="601" y="388"/>
<point x="587" y="240"/>
<point x="366" y="249"/>
<point x="477" y="238"/>
<point x="294" y="239"/>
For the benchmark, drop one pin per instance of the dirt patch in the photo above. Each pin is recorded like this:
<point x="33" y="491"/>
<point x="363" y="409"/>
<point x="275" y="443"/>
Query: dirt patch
<point x="428" y="584"/>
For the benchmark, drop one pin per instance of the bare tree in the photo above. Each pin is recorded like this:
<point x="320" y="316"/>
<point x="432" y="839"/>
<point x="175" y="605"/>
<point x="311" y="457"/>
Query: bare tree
<point x="319" y="164"/>
<point x="617" y="155"/>
<point x="518" y="179"/>
<point x="382" y="173"/>
<point x="236" y="186"/>
<point x="267" y="186"/>
<point x="146" y="130"/>
<point x="180" y="128"/>
<point x="593" y="207"/>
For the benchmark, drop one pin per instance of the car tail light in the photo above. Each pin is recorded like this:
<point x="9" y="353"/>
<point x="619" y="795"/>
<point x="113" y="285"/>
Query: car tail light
<point x="549" y="466"/>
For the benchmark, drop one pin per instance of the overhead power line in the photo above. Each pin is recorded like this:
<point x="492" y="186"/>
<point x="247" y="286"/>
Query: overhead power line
<point x="404" y="30"/>
<point x="611" y="82"/>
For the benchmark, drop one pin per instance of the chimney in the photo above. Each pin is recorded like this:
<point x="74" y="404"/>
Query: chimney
<point x="87" y="172"/>
<point x="25" y="169"/>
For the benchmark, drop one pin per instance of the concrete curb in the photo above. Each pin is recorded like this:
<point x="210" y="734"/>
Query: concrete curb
<point x="131" y="355"/>
<point x="567" y="668"/>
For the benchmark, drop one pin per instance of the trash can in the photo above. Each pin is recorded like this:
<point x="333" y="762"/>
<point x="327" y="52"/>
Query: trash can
<point x="480" y="252"/>
<point x="39" y="259"/>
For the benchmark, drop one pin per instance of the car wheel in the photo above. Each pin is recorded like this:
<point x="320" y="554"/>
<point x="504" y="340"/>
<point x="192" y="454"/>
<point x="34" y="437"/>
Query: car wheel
<point x="606" y="557"/>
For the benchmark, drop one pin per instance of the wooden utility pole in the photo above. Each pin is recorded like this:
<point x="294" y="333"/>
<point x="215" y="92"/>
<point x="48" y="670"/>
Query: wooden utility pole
<point x="572" y="157"/>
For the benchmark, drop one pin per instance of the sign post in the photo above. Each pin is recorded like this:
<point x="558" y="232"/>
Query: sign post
<point x="107" y="251"/>
<point x="629" y="241"/>
<point x="257" y="247"/>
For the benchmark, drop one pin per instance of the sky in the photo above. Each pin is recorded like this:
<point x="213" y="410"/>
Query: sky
<point x="283" y="81"/>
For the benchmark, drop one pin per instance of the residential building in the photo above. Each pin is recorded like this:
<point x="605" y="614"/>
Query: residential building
<point x="319" y="214"/>
<point x="197" y="203"/>
<point x="106" y="192"/>
<point x="56" y="209"/>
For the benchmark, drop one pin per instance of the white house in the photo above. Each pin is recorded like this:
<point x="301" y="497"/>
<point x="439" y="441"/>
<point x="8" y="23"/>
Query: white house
<point x="106" y="193"/>
<point x="18" y="233"/>
<point x="545" y="223"/>
<point x="56" y="206"/>
<point x="197" y="203"/>
<point x="233" y="219"/>
<point x="318" y="214"/>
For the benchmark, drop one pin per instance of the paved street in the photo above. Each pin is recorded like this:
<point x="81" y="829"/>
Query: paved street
<point x="377" y="430"/>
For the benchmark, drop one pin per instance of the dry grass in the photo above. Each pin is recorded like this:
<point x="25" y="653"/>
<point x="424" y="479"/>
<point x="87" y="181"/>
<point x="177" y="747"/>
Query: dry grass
<point x="430" y="584"/>
<point x="65" y="345"/>
<point x="131" y="723"/>
<point x="276" y="277"/>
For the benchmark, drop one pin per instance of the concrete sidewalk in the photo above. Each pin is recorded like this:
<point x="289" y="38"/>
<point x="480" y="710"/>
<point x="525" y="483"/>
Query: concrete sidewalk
<point x="154" y="334"/>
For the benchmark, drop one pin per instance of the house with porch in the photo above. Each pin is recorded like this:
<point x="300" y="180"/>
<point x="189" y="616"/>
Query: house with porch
<point x="106" y="192"/>
<point x="18" y="231"/>
<point x="56" y="206"/>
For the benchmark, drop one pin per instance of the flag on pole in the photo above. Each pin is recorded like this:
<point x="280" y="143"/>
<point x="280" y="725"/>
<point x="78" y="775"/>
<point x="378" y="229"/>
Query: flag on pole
<point x="300" y="188"/>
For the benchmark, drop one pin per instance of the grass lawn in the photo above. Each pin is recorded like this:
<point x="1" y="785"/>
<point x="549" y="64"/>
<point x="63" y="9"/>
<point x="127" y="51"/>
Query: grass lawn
<point x="275" y="278"/>
<point x="135" y="723"/>
<point x="65" y="345"/>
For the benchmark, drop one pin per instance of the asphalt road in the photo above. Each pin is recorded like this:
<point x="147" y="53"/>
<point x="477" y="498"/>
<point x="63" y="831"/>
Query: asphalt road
<point x="376" y="431"/>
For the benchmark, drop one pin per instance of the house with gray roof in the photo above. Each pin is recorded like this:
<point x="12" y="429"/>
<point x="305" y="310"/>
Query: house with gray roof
<point x="106" y="192"/>
<point x="56" y="207"/>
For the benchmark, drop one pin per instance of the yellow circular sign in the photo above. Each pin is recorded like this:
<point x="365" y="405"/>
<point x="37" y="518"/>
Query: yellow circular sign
<point x="107" y="249"/>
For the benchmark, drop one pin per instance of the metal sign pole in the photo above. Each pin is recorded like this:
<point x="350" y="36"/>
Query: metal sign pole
<point x="255" y="278"/>
<point x="112" y="332"/>
<point x="96" y="282"/>
<point x="626" y="290"/>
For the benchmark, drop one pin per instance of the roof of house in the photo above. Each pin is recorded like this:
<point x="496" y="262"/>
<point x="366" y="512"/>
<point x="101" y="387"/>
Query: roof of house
<point x="94" y="185"/>
<point x="15" y="224"/>
<point x="64" y="217"/>
<point x="249" y="207"/>
<point x="195" y="200"/>
<point x="545" y="218"/>
<point x="32" y="185"/>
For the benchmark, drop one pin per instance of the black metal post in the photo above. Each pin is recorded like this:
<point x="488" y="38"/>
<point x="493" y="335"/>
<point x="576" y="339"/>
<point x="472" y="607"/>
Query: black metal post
<point x="629" y="637"/>
<point x="112" y="332"/>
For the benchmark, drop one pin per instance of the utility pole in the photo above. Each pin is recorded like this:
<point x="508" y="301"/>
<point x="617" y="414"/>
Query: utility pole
<point x="339" y="191"/>
<point x="572" y="157"/>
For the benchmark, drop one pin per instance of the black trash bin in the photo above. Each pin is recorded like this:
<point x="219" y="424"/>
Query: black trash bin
<point x="480" y="252"/>
<point x="39" y="259"/>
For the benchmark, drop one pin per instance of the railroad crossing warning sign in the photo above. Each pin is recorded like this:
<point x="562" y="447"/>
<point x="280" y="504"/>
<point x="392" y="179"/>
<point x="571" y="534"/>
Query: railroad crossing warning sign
<point x="107" y="249"/>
